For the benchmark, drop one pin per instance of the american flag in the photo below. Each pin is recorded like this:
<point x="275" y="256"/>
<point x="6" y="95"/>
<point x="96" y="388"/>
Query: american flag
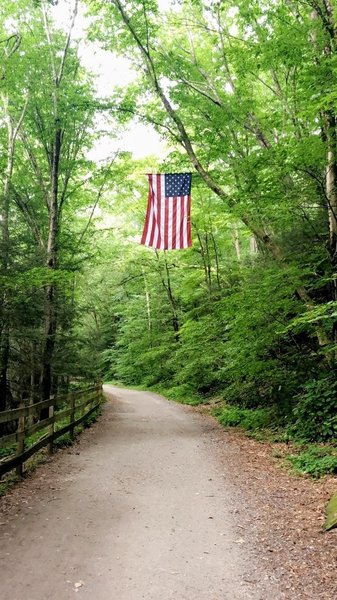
<point x="167" y="222"/>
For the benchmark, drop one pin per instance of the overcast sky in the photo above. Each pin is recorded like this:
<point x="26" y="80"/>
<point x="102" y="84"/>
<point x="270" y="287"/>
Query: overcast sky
<point x="109" y="71"/>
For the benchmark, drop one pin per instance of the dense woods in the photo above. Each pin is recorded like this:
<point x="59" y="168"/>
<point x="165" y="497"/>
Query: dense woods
<point x="245" y="96"/>
<point x="47" y="185"/>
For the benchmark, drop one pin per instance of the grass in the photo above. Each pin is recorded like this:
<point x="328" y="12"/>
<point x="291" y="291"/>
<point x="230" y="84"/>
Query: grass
<point x="260" y="420"/>
<point x="7" y="451"/>
<point x="314" y="460"/>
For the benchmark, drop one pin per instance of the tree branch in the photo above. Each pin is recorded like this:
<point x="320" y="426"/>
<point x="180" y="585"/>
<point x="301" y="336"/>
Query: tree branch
<point x="67" y="44"/>
<point x="98" y="197"/>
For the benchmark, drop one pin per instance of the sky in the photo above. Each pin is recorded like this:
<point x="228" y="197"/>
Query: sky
<point x="109" y="70"/>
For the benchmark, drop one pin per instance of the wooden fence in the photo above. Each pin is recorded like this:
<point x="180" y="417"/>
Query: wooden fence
<point x="77" y="406"/>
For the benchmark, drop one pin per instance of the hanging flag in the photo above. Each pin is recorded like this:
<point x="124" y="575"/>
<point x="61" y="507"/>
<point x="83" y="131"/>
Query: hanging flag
<point x="167" y="222"/>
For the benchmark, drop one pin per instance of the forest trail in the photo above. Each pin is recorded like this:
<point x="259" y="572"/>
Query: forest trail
<point x="142" y="512"/>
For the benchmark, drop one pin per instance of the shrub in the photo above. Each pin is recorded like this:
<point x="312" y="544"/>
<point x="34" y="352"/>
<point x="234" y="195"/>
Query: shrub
<point x="316" y="411"/>
<point x="251" y="420"/>
<point x="315" y="461"/>
<point x="184" y="394"/>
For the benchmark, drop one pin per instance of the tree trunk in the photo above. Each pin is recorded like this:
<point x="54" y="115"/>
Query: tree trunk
<point x="50" y="317"/>
<point x="253" y="247"/>
<point x="331" y="181"/>
<point x="216" y="256"/>
<point x="236" y="242"/>
<point x="175" y="320"/>
<point x="168" y="288"/>
<point x="4" y="328"/>
<point x="205" y="262"/>
<point x="148" y="304"/>
<point x="12" y="133"/>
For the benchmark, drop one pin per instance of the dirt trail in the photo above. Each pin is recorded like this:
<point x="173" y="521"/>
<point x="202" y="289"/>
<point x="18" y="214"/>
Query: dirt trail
<point x="144" y="511"/>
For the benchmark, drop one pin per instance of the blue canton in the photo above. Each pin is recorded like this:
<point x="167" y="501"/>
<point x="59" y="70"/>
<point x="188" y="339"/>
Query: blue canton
<point x="178" y="184"/>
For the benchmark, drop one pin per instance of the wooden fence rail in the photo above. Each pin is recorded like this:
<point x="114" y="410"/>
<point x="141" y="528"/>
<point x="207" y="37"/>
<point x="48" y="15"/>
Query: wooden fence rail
<point x="78" y="406"/>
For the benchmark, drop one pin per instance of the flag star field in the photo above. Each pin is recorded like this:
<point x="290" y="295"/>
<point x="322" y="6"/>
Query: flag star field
<point x="177" y="184"/>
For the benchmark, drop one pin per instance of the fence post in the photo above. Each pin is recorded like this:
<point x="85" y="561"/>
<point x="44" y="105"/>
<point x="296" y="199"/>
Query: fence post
<point x="51" y="427"/>
<point x="72" y="416"/>
<point x="83" y="408"/>
<point x="20" y="440"/>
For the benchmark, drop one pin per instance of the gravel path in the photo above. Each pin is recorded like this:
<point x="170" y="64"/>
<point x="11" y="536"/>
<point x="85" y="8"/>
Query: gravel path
<point x="156" y="501"/>
<point x="143" y="511"/>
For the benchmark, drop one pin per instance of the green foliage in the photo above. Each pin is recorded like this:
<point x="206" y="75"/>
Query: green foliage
<point x="184" y="394"/>
<point x="8" y="451"/>
<point x="315" y="461"/>
<point x="315" y="412"/>
<point x="64" y="441"/>
<point x="35" y="269"/>
<point x="91" y="419"/>
<point x="7" y="482"/>
<point x="248" y="419"/>
<point x="249" y="312"/>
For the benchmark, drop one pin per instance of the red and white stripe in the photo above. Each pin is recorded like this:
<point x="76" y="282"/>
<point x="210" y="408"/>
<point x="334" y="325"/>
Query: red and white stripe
<point x="167" y="222"/>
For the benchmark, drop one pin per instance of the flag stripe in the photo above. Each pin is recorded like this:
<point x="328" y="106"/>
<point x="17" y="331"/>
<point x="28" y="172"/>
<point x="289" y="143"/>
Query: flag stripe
<point x="152" y="223"/>
<point x="178" y="223"/>
<point x="161" y="200"/>
<point x="174" y="223"/>
<point x="166" y="202"/>
<point x="154" y="209"/>
<point x="149" y="216"/>
<point x="169" y="202"/>
<point x="167" y="224"/>
<point x="189" y="233"/>
<point x="182" y="219"/>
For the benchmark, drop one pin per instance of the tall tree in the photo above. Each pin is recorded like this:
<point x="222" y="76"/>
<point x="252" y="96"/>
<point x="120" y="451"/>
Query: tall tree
<point x="237" y="95"/>
<point x="48" y="184"/>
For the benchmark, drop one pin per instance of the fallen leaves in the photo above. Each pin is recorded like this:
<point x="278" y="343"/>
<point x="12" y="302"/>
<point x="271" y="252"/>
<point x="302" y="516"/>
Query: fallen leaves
<point x="284" y="517"/>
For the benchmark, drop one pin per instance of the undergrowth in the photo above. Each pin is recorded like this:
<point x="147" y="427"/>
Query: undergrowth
<point x="315" y="461"/>
<point x="265" y="425"/>
<point x="8" y="482"/>
<point x="182" y="394"/>
<point x="248" y="419"/>
<point x="63" y="441"/>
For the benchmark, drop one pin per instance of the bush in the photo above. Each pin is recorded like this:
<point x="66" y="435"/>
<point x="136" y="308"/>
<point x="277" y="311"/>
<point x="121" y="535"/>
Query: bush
<point x="315" y="461"/>
<point x="251" y="420"/>
<point x="184" y="394"/>
<point x="316" y="411"/>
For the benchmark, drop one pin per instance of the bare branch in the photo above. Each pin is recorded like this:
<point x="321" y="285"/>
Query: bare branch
<point x="98" y="197"/>
<point x="49" y="38"/>
<point x="194" y="87"/>
<point x="20" y="121"/>
<point x="34" y="164"/>
<point x="66" y="47"/>
<point x="31" y="221"/>
<point x="16" y="38"/>
<point x="184" y="137"/>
